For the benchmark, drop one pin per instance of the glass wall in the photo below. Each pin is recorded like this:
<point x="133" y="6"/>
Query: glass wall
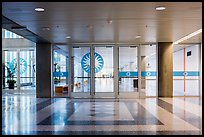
<point x="128" y="72"/>
<point x="186" y="70"/>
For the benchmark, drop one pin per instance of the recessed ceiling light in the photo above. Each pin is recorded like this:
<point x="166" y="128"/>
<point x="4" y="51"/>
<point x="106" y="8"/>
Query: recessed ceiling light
<point x="39" y="9"/>
<point x="109" y="21"/>
<point x="45" y="28"/>
<point x="89" y="26"/>
<point x="160" y="8"/>
<point x="68" y="37"/>
<point x="138" y="36"/>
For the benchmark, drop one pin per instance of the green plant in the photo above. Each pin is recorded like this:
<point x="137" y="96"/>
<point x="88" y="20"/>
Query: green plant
<point x="10" y="76"/>
<point x="10" y="81"/>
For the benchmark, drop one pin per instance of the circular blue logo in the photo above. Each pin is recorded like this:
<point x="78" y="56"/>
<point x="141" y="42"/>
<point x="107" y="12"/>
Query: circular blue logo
<point x="85" y="62"/>
<point x="13" y="65"/>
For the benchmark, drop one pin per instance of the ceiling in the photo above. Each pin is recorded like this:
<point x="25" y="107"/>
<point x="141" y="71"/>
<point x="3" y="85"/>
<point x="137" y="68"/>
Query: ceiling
<point x="128" y="20"/>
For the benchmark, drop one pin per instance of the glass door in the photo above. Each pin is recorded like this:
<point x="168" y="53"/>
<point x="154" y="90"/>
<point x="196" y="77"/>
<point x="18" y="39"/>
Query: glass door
<point x="81" y="72"/>
<point x="128" y="71"/>
<point x="103" y="74"/>
<point x="60" y="73"/>
<point x="27" y="69"/>
<point x="148" y="70"/>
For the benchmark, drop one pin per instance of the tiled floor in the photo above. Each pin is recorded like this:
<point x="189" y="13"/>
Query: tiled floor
<point x="150" y="116"/>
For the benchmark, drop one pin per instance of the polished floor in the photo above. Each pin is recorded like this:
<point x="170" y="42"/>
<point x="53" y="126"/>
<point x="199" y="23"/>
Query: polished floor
<point x="27" y="115"/>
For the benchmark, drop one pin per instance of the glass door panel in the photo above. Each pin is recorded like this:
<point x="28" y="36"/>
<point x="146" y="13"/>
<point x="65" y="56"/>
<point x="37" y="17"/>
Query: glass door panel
<point x="103" y="69"/>
<point x="148" y="70"/>
<point x="60" y="73"/>
<point x="128" y="72"/>
<point x="81" y="69"/>
<point x="27" y="69"/>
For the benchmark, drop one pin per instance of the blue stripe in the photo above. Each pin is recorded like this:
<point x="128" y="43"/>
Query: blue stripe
<point x="153" y="73"/>
<point x="148" y="73"/>
<point x="186" y="73"/>
<point x="60" y="74"/>
<point x="128" y="74"/>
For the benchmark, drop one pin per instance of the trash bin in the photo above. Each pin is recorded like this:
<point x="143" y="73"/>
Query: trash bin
<point x="135" y="83"/>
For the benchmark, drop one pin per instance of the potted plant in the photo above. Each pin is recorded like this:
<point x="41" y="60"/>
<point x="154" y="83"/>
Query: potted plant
<point x="11" y="82"/>
<point x="56" y="80"/>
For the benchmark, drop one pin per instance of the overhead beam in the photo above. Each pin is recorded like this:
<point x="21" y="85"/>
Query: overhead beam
<point x="24" y="32"/>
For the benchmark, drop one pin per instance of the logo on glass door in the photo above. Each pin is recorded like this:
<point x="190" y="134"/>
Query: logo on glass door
<point x="85" y="62"/>
<point x="13" y="65"/>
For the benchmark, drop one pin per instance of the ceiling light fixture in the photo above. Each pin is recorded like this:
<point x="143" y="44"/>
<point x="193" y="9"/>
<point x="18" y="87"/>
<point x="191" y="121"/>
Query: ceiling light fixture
<point x="188" y="36"/>
<point x="109" y="21"/>
<point x="89" y="26"/>
<point x="160" y="8"/>
<point x="39" y="9"/>
<point x="138" y="36"/>
<point x="45" y="28"/>
<point x="68" y="37"/>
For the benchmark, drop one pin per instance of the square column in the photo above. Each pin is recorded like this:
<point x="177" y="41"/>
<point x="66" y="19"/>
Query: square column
<point x="43" y="70"/>
<point x="165" y="69"/>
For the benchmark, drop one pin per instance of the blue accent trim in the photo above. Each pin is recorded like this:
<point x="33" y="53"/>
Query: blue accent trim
<point x="153" y="73"/>
<point x="148" y="73"/>
<point x="128" y="74"/>
<point x="60" y="74"/>
<point x="186" y="73"/>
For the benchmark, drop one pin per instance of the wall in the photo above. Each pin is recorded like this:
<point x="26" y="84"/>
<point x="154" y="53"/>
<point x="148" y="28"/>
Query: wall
<point x="188" y="85"/>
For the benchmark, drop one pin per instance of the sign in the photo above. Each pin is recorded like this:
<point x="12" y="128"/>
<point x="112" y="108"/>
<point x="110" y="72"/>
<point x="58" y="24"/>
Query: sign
<point x="85" y="62"/>
<point x="60" y="74"/>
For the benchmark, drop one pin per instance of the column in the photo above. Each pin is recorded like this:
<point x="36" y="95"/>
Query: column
<point x="143" y="69"/>
<point x="165" y="69"/>
<point x="115" y="72"/>
<point x="200" y="70"/>
<point x="71" y="73"/>
<point x="43" y="70"/>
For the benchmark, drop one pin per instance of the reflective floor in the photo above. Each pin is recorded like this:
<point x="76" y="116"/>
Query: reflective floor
<point x="151" y="116"/>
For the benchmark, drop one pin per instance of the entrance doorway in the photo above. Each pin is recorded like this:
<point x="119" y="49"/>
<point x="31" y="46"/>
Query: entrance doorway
<point x="109" y="71"/>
